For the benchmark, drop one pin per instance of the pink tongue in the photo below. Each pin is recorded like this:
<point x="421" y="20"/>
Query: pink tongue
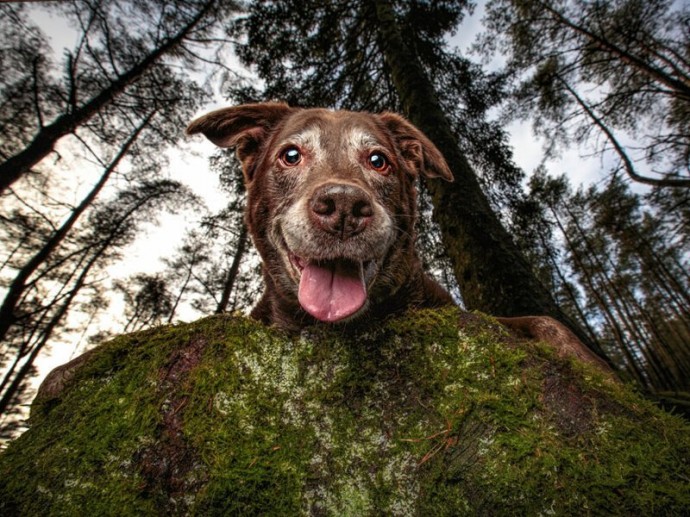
<point x="332" y="291"/>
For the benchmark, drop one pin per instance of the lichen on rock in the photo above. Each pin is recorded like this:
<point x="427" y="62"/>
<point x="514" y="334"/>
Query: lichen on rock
<point x="432" y="413"/>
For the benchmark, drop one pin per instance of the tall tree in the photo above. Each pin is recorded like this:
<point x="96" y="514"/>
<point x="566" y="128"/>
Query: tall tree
<point x="115" y="102"/>
<point x="634" y="279"/>
<point x="28" y="92"/>
<point x="613" y="69"/>
<point x="182" y="269"/>
<point x="353" y="54"/>
<point x="148" y="301"/>
<point x="240" y="277"/>
<point x="18" y="285"/>
<point x="613" y="76"/>
<point x="111" y="226"/>
<point x="217" y="266"/>
<point x="111" y="57"/>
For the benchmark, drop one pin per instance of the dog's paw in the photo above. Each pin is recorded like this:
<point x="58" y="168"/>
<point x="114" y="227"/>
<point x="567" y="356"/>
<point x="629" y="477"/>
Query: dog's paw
<point x="553" y="332"/>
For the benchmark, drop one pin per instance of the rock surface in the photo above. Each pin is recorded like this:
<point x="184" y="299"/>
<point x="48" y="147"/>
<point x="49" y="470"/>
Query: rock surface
<point x="435" y="413"/>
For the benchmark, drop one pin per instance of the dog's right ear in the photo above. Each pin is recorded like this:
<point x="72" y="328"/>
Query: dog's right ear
<point x="420" y="152"/>
<point x="244" y="127"/>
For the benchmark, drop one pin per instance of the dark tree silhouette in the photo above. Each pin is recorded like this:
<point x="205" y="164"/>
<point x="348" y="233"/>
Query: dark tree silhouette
<point x="122" y="98"/>
<point x="111" y="226"/>
<point x="99" y="72"/>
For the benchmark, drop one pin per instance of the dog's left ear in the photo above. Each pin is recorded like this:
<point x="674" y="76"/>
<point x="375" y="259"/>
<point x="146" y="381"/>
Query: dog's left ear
<point x="417" y="150"/>
<point x="243" y="127"/>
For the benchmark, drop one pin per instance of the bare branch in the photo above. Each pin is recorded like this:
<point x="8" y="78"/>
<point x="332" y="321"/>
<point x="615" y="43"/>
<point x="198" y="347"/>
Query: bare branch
<point x="35" y="90"/>
<point x="627" y="163"/>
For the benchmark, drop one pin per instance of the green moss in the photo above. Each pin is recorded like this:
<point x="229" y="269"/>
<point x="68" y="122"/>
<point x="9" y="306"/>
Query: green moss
<point x="435" y="413"/>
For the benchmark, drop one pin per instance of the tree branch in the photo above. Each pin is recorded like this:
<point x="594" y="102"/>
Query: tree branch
<point x="627" y="163"/>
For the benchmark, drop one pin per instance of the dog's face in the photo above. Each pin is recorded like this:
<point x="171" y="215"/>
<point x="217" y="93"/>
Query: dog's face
<point x="331" y="199"/>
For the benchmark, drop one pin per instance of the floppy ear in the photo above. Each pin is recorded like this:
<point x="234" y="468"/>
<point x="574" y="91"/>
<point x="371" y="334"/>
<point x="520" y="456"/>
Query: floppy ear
<point x="416" y="149"/>
<point x="244" y="127"/>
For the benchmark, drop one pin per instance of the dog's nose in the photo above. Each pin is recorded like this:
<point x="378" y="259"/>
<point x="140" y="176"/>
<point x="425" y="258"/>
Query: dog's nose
<point x="341" y="209"/>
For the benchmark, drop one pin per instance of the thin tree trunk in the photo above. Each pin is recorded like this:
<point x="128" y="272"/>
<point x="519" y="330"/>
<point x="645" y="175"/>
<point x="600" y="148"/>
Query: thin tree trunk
<point x="183" y="289"/>
<point x="630" y="310"/>
<point x="663" y="273"/>
<point x="232" y="272"/>
<point x="28" y="337"/>
<point x="635" y="369"/>
<point x="492" y="273"/>
<point x="46" y="138"/>
<point x="6" y="399"/>
<point x="18" y="285"/>
<point x="571" y="293"/>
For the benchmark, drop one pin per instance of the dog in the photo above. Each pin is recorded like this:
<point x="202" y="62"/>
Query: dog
<point x="331" y="208"/>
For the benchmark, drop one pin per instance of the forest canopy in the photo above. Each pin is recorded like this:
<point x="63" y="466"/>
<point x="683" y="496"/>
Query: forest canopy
<point x="113" y="222"/>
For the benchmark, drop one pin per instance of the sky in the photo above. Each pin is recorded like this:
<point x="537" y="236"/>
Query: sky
<point x="190" y="160"/>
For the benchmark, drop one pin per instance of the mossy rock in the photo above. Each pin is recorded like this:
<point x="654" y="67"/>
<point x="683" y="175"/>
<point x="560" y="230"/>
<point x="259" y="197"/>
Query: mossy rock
<point x="434" y="413"/>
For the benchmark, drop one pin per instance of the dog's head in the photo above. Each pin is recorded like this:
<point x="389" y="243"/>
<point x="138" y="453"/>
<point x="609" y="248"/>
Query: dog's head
<point x="331" y="199"/>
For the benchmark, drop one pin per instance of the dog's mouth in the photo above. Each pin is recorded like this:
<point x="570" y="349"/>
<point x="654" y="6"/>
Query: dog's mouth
<point x="335" y="289"/>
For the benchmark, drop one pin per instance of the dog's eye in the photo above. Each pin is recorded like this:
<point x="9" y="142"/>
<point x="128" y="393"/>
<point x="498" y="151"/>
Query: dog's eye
<point x="378" y="162"/>
<point x="291" y="156"/>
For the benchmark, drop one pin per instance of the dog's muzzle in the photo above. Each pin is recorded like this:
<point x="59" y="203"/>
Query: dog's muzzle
<point x="336" y="254"/>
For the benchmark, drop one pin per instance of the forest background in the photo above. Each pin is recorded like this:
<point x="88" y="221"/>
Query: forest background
<point x="566" y="124"/>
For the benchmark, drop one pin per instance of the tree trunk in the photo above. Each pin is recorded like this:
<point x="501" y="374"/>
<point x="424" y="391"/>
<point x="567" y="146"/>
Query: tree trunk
<point x="637" y="370"/>
<point x="18" y="285"/>
<point x="571" y="292"/>
<point x="183" y="289"/>
<point x="232" y="273"/>
<point x="46" y="138"/>
<point x="493" y="275"/>
<point x="631" y="313"/>
<point x="6" y="398"/>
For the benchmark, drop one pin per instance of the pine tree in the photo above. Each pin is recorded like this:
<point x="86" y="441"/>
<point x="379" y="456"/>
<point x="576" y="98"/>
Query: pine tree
<point x="614" y="75"/>
<point x="107" y="113"/>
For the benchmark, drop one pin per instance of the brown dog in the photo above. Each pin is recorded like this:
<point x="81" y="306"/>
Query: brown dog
<point x="331" y="209"/>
